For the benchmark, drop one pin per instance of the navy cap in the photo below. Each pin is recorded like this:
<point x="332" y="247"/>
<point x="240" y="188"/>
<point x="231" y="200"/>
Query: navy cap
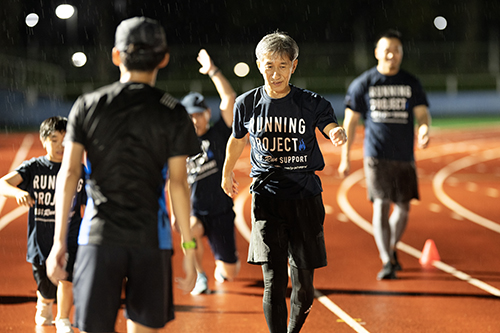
<point x="140" y="33"/>
<point x="194" y="103"/>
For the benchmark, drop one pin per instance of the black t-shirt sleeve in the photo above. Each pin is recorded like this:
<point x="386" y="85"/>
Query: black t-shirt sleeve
<point x="184" y="140"/>
<point x="324" y="115"/>
<point x="74" y="128"/>
<point x="25" y="172"/>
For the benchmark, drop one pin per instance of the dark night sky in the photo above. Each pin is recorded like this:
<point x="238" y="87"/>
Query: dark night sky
<point x="230" y="26"/>
<point x="245" y="21"/>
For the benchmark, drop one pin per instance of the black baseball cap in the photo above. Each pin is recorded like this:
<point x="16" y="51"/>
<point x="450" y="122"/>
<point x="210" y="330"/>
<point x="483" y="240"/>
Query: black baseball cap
<point x="142" y="33"/>
<point x="194" y="103"/>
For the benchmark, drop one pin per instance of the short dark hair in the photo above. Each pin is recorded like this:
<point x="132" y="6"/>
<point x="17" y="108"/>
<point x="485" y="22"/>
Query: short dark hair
<point x="51" y="125"/>
<point x="391" y="33"/>
<point x="279" y="43"/>
<point x="145" y="61"/>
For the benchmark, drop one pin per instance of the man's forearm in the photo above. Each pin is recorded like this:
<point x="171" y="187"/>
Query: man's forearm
<point x="234" y="150"/>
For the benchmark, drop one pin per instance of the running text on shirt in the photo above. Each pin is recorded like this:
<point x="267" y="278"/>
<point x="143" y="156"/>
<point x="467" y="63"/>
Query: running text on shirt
<point x="389" y="104"/>
<point x="278" y="139"/>
<point x="44" y="193"/>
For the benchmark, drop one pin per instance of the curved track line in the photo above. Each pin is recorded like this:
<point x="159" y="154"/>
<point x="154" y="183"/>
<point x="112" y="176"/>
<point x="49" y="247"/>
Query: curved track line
<point x="346" y="207"/>
<point x="12" y="215"/>
<point x="441" y="175"/>
<point x="21" y="154"/>
<point x="242" y="226"/>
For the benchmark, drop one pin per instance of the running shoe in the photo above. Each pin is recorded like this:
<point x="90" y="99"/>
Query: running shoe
<point x="43" y="315"/>
<point x="63" y="325"/>
<point x="201" y="285"/>
<point x="387" y="273"/>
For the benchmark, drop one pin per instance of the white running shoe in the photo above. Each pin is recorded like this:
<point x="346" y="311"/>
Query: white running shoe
<point x="43" y="315"/>
<point x="201" y="285"/>
<point x="63" y="325"/>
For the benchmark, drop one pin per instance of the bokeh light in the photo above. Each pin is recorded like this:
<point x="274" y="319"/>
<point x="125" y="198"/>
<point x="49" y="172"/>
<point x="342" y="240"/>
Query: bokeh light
<point x="32" y="20"/>
<point x="241" y="69"/>
<point x="440" y="23"/>
<point x="65" y="11"/>
<point x="79" y="59"/>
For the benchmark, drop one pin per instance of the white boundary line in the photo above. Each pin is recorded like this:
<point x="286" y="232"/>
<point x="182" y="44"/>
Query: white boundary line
<point x="365" y="225"/>
<point x="18" y="159"/>
<point x="12" y="215"/>
<point x="441" y="175"/>
<point x="242" y="226"/>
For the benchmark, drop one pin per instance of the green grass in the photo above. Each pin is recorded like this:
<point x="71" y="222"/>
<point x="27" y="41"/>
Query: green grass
<point x="457" y="122"/>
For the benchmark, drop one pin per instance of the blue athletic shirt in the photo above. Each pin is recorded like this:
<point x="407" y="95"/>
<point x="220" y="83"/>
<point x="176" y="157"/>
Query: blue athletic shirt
<point x="39" y="180"/>
<point x="386" y="104"/>
<point x="284" y="150"/>
<point x="129" y="131"/>
<point x="205" y="172"/>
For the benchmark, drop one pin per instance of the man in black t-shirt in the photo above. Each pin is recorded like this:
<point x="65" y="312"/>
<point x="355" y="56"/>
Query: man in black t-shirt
<point x="389" y="100"/>
<point x="287" y="208"/>
<point x="130" y="132"/>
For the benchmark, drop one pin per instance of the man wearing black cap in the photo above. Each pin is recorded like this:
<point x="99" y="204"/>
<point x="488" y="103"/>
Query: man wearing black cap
<point x="212" y="212"/>
<point x="130" y="131"/>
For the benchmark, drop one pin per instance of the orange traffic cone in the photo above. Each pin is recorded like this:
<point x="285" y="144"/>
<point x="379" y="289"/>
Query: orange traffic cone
<point x="429" y="253"/>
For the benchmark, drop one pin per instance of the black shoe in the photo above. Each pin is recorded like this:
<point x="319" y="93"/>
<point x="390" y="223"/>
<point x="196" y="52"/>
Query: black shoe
<point x="397" y="265"/>
<point x="388" y="272"/>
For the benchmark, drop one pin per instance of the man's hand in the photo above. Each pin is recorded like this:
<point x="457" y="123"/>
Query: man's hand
<point x="230" y="185"/>
<point x="56" y="263"/>
<point x="423" y="137"/>
<point x="25" y="199"/>
<point x="338" y="136"/>
<point x="205" y="61"/>
<point x="187" y="284"/>
<point x="344" y="168"/>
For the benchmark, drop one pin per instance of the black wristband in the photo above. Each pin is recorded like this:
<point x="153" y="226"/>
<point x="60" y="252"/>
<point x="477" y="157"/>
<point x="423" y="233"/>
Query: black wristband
<point x="214" y="72"/>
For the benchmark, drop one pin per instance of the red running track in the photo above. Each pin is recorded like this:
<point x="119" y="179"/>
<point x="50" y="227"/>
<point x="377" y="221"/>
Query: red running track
<point x="459" y="178"/>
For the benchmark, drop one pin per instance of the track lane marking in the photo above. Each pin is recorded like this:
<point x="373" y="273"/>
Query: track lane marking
<point x="21" y="154"/>
<point x="346" y="207"/>
<point x="444" y="173"/>
<point x="12" y="215"/>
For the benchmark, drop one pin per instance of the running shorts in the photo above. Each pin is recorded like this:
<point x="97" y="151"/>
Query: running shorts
<point x="393" y="180"/>
<point x="100" y="273"/>
<point x="290" y="227"/>
<point x="219" y="230"/>
<point x="46" y="288"/>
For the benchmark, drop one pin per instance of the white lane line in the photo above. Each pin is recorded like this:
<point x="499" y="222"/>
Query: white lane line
<point x="18" y="159"/>
<point x="346" y="207"/>
<point x="339" y="312"/>
<point x="12" y="215"/>
<point x="242" y="227"/>
<point x="441" y="175"/>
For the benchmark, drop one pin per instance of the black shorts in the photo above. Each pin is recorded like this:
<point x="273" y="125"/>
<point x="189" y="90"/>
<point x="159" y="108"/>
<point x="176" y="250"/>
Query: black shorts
<point x="46" y="288"/>
<point x="100" y="273"/>
<point x="219" y="230"/>
<point x="292" y="228"/>
<point x="393" y="180"/>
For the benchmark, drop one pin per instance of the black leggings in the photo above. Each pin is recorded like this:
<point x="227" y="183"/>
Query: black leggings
<point x="274" y="302"/>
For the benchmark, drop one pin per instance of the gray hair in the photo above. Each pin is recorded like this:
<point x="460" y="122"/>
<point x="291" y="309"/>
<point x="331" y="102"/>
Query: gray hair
<point x="277" y="43"/>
